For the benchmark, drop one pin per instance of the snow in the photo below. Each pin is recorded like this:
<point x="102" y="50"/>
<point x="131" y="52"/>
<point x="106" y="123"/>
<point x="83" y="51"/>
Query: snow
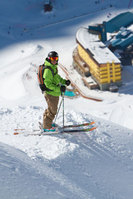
<point x="93" y="165"/>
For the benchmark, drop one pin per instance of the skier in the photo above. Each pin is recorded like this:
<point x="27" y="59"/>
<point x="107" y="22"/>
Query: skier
<point x="55" y="87"/>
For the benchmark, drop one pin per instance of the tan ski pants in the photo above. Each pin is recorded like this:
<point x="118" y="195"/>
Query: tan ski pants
<point x="50" y="112"/>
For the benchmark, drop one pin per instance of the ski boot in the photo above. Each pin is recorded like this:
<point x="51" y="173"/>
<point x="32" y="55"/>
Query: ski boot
<point x="49" y="130"/>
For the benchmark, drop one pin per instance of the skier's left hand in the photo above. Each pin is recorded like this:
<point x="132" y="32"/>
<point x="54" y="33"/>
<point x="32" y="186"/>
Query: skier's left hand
<point x="68" y="82"/>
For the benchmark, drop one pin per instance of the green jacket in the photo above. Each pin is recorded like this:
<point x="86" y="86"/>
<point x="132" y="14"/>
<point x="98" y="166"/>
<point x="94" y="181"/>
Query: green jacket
<point x="52" y="82"/>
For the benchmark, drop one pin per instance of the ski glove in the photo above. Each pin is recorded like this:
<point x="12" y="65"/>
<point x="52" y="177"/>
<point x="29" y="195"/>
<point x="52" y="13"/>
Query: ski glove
<point x="63" y="89"/>
<point x="68" y="82"/>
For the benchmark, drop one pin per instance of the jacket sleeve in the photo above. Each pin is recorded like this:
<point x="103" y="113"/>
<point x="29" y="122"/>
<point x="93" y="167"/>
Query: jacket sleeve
<point x="48" y="80"/>
<point x="62" y="81"/>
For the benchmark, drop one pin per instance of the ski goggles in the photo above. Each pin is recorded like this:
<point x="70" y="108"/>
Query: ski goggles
<point x="54" y="58"/>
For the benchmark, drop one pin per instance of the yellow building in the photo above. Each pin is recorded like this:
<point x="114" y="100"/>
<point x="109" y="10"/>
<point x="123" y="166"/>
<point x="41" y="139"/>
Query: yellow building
<point x="103" y="65"/>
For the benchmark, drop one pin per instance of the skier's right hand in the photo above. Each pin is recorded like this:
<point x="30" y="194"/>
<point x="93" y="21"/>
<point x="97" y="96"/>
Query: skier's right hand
<point x="63" y="89"/>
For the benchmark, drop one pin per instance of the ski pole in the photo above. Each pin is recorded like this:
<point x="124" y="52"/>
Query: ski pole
<point x="58" y="110"/>
<point x="63" y="108"/>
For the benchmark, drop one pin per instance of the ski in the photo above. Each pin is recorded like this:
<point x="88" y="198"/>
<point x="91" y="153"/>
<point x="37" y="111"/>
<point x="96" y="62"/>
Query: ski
<point x="79" y="130"/>
<point x="57" y="131"/>
<point x="18" y="129"/>
<point x="66" y="126"/>
<point x="79" y="125"/>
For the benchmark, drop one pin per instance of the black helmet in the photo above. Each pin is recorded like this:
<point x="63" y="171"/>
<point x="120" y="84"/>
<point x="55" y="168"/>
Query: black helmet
<point x="52" y="54"/>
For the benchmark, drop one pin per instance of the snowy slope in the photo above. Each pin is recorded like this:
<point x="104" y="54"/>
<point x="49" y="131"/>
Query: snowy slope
<point x="83" y="165"/>
<point x="97" y="165"/>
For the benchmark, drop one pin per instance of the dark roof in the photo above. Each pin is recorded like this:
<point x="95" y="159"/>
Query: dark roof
<point x="124" y="19"/>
